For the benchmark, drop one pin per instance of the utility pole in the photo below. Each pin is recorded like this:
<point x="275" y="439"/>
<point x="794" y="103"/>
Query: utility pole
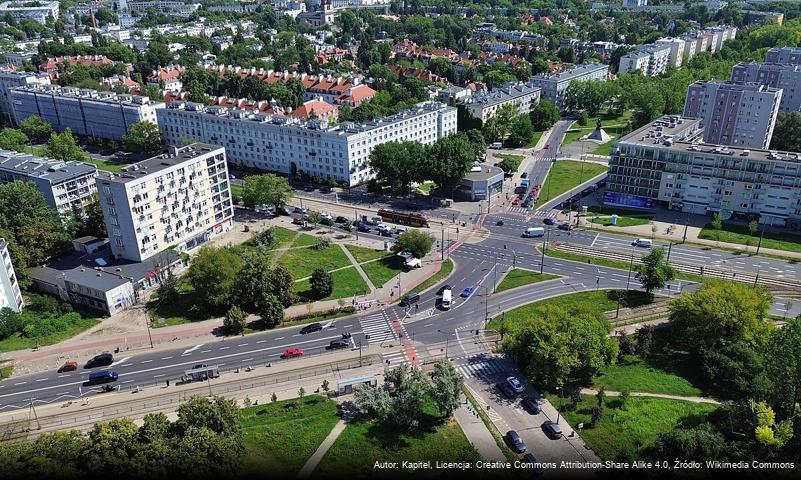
<point x="486" y="306"/>
<point x="760" y="237"/>
<point x="544" y="246"/>
<point x="686" y="224"/>
<point x="670" y="247"/>
<point x="442" y="241"/>
<point x="35" y="416"/>
<point x="356" y="222"/>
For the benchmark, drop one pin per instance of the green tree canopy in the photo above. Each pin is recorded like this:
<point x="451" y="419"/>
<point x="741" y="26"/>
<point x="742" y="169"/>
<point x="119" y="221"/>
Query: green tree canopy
<point x="415" y="241"/>
<point x="654" y="272"/>
<point x="397" y="164"/>
<point x="267" y="189"/>
<point x="13" y="139"/>
<point x="322" y="282"/>
<point x="36" y="227"/>
<point x="36" y="128"/>
<point x="144" y="137"/>
<point x="64" y="147"/>
<point x="544" y="115"/>
<point x="449" y="159"/>
<point x="213" y="274"/>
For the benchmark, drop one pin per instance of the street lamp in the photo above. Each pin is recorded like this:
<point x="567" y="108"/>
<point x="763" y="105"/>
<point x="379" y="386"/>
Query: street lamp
<point x="447" y="337"/>
<point x="486" y="306"/>
<point x="545" y="239"/>
<point x="559" y="411"/>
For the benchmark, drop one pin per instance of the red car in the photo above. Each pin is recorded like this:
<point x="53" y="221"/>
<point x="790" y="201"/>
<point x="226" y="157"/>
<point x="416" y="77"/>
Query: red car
<point x="516" y="201"/>
<point x="292" y="352"/>
<point x="548" y="146"/>
<point x="68" y="367"/>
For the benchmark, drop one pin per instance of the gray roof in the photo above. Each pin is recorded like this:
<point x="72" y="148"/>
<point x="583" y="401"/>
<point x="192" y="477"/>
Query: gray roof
<point x="487" y="172"/>
<point x="508" y="92"/>
<point x="53" y="171"/>
<point x="571" y="73"/>
<point x="160" y="162"/>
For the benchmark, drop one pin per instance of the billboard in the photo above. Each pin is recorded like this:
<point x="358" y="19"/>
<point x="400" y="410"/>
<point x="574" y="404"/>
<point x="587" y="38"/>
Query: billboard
<point x="627" y="200"/>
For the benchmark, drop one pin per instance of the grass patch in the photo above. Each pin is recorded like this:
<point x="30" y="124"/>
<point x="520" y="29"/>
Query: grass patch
<point x="281" y="436"/>
<point x="383" y="270"/>
<point x="364" y="442"/>
<point x="444" y="270"/>
<point x="282" y="237"/>
<point x="515" y="161"/>
<point x="237" y="191"/>
<point x="183" y="309"/>
<point x="733" y="233"/>
<point x="534" y="139"/>
<point x="362" y="254"/>
<point x="625" y="433"/>
<point x="6" y="372"/>
<point x="519" y="276"/>
<point x="426" y="187"/>
<point x="304" y="240"/>
<point x="604" y="149"/>
<point x="18" y="342"/>
<point x="621" y="221"/>
<point x="613" y="125"/>
<point x="565" y="175"/>
<point x="347" y="283"/>
<point x="303" y="261"/>
<point x="605" y="262"/>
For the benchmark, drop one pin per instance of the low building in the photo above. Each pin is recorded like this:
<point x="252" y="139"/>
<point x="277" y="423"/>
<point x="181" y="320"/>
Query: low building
<point x="37" y="11"/>
<point x="86" y="112"/>
<point x="554" y="85"/>
<point x="676" y="50"/>
<point x="178" y="200"/>
<point x="10" y="78"/>
<point x="10" y="294"/>
<point x="482" y="182"/>
<point x="484" y="105"/>
<point x="651" y="59"/>
<point x="65" y="185"/>
<point x="784" y="76"/>
<point x="666" y="163"/>
<point x="19" y="59"/>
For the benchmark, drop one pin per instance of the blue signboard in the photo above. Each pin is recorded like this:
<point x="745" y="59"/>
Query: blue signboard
<point x="627" y="200"/>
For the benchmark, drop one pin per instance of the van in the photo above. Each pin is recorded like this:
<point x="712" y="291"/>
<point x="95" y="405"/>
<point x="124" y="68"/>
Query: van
<point x="496" y="145"/>
<point x="411" y="263"/>
<point x="102" y="377"/>
<point x="409" y="299"/>
<point x="643" y="242"/>
<point x="447" y="296"/>
<point x="532" y="232"/>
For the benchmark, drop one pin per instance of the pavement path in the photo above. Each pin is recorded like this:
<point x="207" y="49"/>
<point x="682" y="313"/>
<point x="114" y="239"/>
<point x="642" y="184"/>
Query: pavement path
<point x="479" y="435"/>
<point x="610" y="393"/>
<point x="359" y="269"/>
<point x="318" y="455"/>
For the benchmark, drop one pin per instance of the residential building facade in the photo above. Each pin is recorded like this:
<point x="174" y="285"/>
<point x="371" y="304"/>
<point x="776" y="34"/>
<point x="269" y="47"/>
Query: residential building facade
<point x="786" y="77"/>
<point x="84" y="111"/>
<point x="666" y="163"/>
<point x="651" y="59"/>
<point x="65" y="185"/>
<point x="791" y="55"/>
<point x="554" y="85"/>
<point x="286" y="144"/>
<point x="11" y="79"/>
<point x="181" y="199"/>
<point x="734" y="113"/>
<point x="37" y="11"/>
<point x="484" y="105"/>
<point x="10" y="294"/>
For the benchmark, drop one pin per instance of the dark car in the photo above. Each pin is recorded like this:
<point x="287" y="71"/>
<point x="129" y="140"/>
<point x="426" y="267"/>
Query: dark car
<point x="506" y="390"/>
<point x="385" y="232"/>
<point x="531" y="405"/>
<point x="308" y="188"/>
<point x="101" y="360"/>
<point x="363" y="227"/>
<point x="565" y="226"/>
<point x="526" y="204"/>
<point x="409" y="299"/>
<point x="341" y="219"/>
<point x="325" y="189"/>
<point x="327" y="222"/>
<point x="338" y="344"/>
<point x="514" y="441"/>
<point x="549" y="221"/>
<point x="553" y="430"/>
<point x="104" y="376"/>
<point x="443" y="288"/>
<point x="524" y="175"/>
<point x="468" y="291"/>
<point x="532" y="463"/>
<point x="311" y="328"/>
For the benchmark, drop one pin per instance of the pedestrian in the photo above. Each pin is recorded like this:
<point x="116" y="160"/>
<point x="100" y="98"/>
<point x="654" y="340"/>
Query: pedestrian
<point x="416" y="307"/>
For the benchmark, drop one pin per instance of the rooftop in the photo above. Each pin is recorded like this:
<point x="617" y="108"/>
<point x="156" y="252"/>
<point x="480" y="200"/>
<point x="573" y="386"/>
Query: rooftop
<point x="161" y="162"/>
<point x="571" y="72"/>
<point x="22" y="6"/>
<point x="483" y="172"/>
<point x="509" y="91"/>
<point x="54" y="171"/>
<point x="86" y="94"/>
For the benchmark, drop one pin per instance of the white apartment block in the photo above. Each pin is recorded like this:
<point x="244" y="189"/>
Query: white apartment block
<point x="651" y="59"/>
<point x="484" y="105"/>
<point x="10" y="79"/>
<point x="286" y="144"/>
<point x="666" y="163"/>
<point x="784" y="76"/>
<point x="38" y="11"/>
<point x="84" y="111"/>
<point x="181" y="199"/>
<point x="65" y="185"/>
<point x="791" y="55"/>
<point x="676" y="50"/>
<point x="738" y="114"/>
<point x="554" y="85"/>
<point x="167" y="7"/>
<point x="10" y="294"/>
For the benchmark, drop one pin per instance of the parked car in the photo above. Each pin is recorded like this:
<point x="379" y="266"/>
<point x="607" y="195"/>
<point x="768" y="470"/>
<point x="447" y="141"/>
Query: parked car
<point x="325" y="189"/>
<point x="326" y="216"/>
<point x="506" y="390"/>
<point x="468" y="291"/>
<point x="103" y="376"/>
<point x="532" y="461"/>
<point x="302" y="211"/>
<point x="565" y="226"/>
<point x="68" y="367"/>
<point x="292" y="353"/>
<point x="363" y="227"/>
<point x="341" y="219"/>
<point x="516" y="201"/>
<point x="552" y="430"/>
<point x="311" y="328"/>
<point x="338" y="344"/>
<point x="101" y="360"/>
<point x="531" y="405"/>
<point x="283" y="210"/>
<point x="308" y="188"/>
<point x="524" y="175"/>
<point x="385" y="232"/>
<point x="515" y="442"/>
<point x="549" y="221"/>
<point x="515" y="384"/>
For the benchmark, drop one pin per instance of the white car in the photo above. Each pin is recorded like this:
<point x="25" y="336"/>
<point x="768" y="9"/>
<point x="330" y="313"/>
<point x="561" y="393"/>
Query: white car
<point x="405" y="255"/>
<point x="326" y="216"/>
<point x="515" y="384"/>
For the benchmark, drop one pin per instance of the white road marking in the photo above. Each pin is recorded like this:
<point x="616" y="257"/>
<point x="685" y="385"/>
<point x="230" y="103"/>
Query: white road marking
<point x="224" y="348"/>
<point x="119" y="362"/>
<point x="146" y="361"/>
<point x="166" y="358"/>
<point x="190" y="350"/>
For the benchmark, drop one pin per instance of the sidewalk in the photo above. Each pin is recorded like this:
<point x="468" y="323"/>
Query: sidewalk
<point x="318" y="455"/>
<point x="609" y="393"/>
<point x="478" y="434"/>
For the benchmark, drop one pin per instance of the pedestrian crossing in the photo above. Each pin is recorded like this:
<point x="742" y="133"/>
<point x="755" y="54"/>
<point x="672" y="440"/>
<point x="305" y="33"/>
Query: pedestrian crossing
<point x="376" y="328"/>
<point x="518" y="209"/>
<point x="394" y="359"/>
<point x="546" y="213"/>
<point x="478" y="367"/>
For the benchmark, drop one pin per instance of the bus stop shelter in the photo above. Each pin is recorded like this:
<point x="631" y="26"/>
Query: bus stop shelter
<point x="345" y="386"/>
<point x="198" y="374"/>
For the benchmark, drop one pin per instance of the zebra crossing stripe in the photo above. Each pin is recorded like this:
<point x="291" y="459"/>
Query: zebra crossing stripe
<point x="377" y="327"/>
<point x="481" y="369"/>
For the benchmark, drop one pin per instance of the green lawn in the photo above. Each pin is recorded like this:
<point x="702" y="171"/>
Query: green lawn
<point x="18" y="342"/>
<point x="305" y="240"/>
<point x="515" y="159"/>
<point x="604" y="262"/>
<point x="444" y="270"/>
<point x="621" y="220"/>
<point x="612" y="124"/>
<point x="534" y="139"/>
<point x="281" y="436"/>
<point x="362" y="254"/>
<point x="596" y="300"/>
<point x="236" y="192"/>
<point x="383" y="270"/>
<point x="347" y="283"/>
<point x="604" y="148"/>
<point x="520" y="276"/>
<point x="734" y="233"/>
<point x="282" y="237"/>
<point x="624" y="434"/>
<point x="6" y="372"/>
<point x="364" y="442"/>
<point x="564" y="175"/>
<point x="301" y="262"/>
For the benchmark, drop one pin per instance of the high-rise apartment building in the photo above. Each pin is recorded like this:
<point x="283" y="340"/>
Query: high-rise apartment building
<point x="178" y="199"/>
<point x="738" y="114"/>
<point x="10" y="294"/>
<point x="790" y="55"/>
<point x="651" y="59"/>
<point x="286" y="144"/>
<point x="784" y="76"/>
<point x="10" y="79"/>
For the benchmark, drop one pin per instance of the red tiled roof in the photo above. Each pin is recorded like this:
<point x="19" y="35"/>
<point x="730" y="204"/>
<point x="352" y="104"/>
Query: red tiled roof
<point x="316" y="108"/>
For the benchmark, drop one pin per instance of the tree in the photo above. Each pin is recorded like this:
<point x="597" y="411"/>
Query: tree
<point x="645" y="339"/>
<point x="64" y="147"/>
<point x="654" y="272"/>
<point x="624" y="399"/>
<point x="768" y="432"/>
<point x="270" y="310"/>
<point x="787" y="132"/>
<point x="322" y="282"/>
<point x="416" y="242"/>
<point x="449" y="159"/>
<point x="281" y="284"/>
<point x="508" y="165"/>
<point x="301" y="394"/>
<point x="559" y="346"/>
<point x="397" y="164"/>
<point x="447" y="387"/>
<point x="13" y="139"/>
<point x="213" y="274"/>
<point x="267" y="189"/>
<point x="694" y="443"/>
<point x="497" y="127"/>
<point x="235" y="321"/>
<point x="325" y="385"/>
<point x="783" y="367"/>
<point x="521" y="131"/>
<point x="143" y="137"/>
<point x="544" y="115"/>
<point x="315" y="217"/>
<point x="219" y="414"/>
<point x="254" y="278"/>
<point x="36" y="128"/>
<point x="717" y="224"/>
<point x="36" y="228"/>
<point x="753" y="226"/>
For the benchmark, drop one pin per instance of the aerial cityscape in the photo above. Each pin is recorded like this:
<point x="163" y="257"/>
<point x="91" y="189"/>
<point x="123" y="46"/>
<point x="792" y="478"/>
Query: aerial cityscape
<point x="395" y="238"/>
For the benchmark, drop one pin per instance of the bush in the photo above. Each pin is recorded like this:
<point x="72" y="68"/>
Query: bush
<point x="322" y="282"/>
<point x="265" y="238"/>
<point x="234" y="321"/>
<point x="322" y="243"/>
<point x="583" y="119"/>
